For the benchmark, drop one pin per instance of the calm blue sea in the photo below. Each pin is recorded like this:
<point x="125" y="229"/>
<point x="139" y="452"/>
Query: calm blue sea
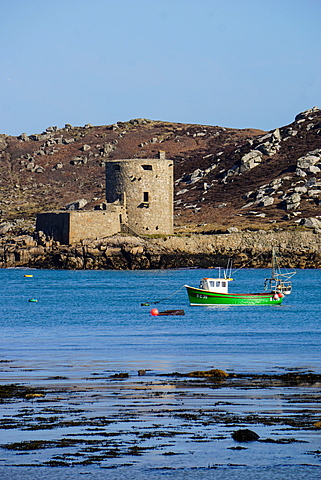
<point x="93" y="321"/>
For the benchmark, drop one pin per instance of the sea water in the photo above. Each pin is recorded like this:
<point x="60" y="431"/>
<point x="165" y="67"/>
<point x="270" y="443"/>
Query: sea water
<point x="92" y="318"/>
<point x="94" y="321"/>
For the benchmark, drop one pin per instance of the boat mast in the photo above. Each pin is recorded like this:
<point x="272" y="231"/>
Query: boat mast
<point x="273" y="264"/>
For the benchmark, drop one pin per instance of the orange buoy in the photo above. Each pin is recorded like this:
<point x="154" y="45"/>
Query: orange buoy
<point x="154" y="312"/>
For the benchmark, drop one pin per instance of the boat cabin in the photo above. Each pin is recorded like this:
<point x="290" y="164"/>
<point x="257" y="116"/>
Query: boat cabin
<point x="217" y="285"/>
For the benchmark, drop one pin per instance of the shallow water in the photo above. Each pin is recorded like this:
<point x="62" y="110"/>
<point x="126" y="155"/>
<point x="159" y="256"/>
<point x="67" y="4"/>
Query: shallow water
<point x="88" y="325"/>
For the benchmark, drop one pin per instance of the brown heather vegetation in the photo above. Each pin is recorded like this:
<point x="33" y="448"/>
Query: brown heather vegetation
<point x="44" y="172"/>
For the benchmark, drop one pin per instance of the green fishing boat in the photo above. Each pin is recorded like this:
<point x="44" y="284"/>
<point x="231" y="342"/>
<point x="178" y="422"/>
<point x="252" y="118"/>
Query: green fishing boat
<point x="214" y="291"/>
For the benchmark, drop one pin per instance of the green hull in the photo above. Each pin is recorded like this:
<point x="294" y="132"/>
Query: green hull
<point x="199" y="296"/>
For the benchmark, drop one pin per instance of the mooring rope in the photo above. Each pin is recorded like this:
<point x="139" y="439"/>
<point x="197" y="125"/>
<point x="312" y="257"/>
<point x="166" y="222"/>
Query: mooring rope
<point x="146" y="304"/>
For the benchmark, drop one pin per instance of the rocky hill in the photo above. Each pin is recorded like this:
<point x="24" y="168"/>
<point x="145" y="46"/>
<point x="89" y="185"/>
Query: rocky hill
<point x="224" y="178"/>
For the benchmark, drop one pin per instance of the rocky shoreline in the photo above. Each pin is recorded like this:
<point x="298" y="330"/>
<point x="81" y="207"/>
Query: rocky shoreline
<point x="299" y="249"/>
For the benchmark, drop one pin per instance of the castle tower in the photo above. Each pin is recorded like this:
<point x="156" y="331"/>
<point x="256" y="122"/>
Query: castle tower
<point x="145" y="187"/>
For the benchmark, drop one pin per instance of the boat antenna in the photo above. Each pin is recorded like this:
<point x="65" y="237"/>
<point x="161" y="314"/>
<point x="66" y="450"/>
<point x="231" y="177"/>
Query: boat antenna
<point x="228" y="270"/>
<point x="231" y="265"/>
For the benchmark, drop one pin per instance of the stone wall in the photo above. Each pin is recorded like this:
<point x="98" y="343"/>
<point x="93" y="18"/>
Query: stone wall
<point x="93" y="224"/>
<point x="74" y="226"/>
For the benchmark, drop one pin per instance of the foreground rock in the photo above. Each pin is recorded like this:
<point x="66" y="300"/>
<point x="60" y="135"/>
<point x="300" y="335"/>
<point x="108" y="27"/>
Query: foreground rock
<point x="245" y="435"/>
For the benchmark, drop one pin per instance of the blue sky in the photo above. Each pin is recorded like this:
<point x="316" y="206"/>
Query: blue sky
<point x="232" y="63"/>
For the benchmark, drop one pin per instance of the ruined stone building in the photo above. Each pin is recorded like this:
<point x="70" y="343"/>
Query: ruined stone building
<point x="139" y="199"/>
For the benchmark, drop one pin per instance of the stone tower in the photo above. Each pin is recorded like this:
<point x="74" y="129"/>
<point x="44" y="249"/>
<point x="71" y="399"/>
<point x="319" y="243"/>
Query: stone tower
<point x="145" y="187"/>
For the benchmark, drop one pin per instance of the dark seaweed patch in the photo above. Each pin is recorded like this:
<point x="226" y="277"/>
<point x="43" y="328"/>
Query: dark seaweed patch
<point x="17" y="391"/>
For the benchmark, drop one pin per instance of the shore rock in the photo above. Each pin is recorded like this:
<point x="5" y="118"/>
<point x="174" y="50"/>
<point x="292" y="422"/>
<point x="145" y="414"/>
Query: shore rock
<point x="299" y="249"/>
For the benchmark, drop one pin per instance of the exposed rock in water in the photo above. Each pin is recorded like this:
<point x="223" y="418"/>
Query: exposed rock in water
<point x="245" y="435"/>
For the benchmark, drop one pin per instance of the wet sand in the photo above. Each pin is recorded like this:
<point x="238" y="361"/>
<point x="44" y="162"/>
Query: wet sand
<point x="165" y="422"/>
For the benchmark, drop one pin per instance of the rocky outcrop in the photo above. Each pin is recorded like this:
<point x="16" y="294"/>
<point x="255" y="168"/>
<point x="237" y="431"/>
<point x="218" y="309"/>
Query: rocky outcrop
<point x="306" y="114"/>
<point x="76" y="205"/>
<point x="271" y="143"/>
<point x="309" y="159"/>
<point x="312" y="223"/>
<point x="250" y="160"/>
<point x="309" y="163"/>
<point x="292" y="201"/>
<point x="299" y="249"/>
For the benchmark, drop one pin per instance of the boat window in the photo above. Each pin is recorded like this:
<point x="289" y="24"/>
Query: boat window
<point x="223" y="284"/>
<point x="218" y="284"/>
<point x="147" y="167"/>
<point x="212" y="284"/>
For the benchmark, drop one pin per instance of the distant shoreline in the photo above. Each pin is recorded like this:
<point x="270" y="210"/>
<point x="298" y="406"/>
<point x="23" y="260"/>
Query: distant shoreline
<point x="298" y="249"/>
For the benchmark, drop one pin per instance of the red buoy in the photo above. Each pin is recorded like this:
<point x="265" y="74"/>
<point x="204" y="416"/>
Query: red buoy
<point x="154" y="312"/>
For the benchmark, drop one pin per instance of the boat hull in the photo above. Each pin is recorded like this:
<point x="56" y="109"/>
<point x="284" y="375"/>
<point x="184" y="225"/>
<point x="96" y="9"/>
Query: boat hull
<point x="199" y="296"/>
